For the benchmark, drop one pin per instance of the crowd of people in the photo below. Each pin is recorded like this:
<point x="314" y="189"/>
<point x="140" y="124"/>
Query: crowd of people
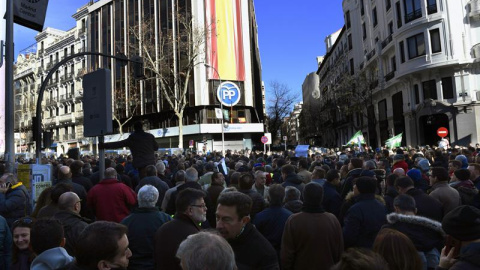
<point x="407" y="208"/>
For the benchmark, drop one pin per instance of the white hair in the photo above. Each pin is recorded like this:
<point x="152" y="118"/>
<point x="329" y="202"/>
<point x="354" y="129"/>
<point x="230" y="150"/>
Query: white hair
<point x="147" y="196"/>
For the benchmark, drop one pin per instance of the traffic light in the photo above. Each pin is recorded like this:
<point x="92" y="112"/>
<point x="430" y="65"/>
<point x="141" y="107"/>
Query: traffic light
<point x="138" y="67"/>
<point x="47" y="139"/>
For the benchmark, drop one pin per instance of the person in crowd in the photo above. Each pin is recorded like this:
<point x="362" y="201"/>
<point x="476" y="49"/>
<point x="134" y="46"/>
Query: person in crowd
<point x="191" y="210"/>
<point x="442" y="191"/>
<point x="179" y="180"/>
<point x="290" y="178"/>
<point x="426" y="234"/>
<point x="213" y="191"/>
<point x="464" y="161"/>
<point x="65" y="176"/>
<point x="400" y="172"/>
<point x="426" y="205"/>
<point x="43" y="200"/>
<point x="461" y="182"/>
<point x="318" y="176"/>
<point x="271" y="221"/>
<point x="474" y="169"/>
<point x="142" y="145"/>
<point x="47" y="240"/>
<point x="111" y="200"/>
<point x="103" y="245"/>
<point x="123" y="177"/>
<point x="15" y="200"/>
<point x="390" y="192"/>
<point x="142" y="224"/>
<point x="259" y="185"/>
<point x="206" y="250"/>
<point x="365" y="217"/>
<point x="161" y="173"/>
<point x="303" y="171"/>
<point x="398" y="250"/>
<point x="191" y="178"/>
<point x="50" y="209"/>
<point x="206" y="178"/>
<point x="292" y="200"/>
<point x="252" y="250"/>
<point x="462" y="224"/>
<point x="277" y="165"/>
<point x="245" y="186"/>
<point x="69" y="215"/>
<point x="354" y="169"/>
<point x="360" y="259"/>
<point x="5" y="244"/>
<point x="151" y="178"/>
<point x="22" y="256"/>
<point x="453" y="165"/>
<point x="332" y="201"/>
<point x="313" y="238"/>
<point x="418" y="181"/>
<point x="78" y="177"/>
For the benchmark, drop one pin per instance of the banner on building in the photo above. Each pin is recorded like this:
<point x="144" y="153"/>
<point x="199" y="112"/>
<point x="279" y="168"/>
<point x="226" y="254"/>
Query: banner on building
<point x="30" y="13"/>
<point x="357" y="138"/>
<point x="395" y="141"/>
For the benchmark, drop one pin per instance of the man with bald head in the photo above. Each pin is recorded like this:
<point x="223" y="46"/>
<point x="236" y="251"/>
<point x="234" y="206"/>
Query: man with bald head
<point x="69" y="205"/>
<point x="65" y="176"/>
<point x="111" y="199"/>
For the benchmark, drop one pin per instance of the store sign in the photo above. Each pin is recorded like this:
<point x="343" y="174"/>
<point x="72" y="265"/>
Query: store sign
<point x="228" y="93"/>
<point x="30" y="13"/>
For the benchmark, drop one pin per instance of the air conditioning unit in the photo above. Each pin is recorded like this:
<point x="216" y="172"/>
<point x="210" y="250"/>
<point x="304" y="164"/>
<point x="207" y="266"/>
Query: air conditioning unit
<point x="476" y="51"/>
<point x="477" y="95"/>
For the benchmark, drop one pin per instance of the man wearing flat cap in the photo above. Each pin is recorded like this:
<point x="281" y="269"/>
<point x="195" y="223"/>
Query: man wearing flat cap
<point x="463" y="224"/>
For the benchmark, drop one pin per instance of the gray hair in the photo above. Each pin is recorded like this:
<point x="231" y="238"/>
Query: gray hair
<point x="147" y="196"/>
<point x="291" y="194"/>
<point x="110" y="173"/>
<point x="191" y="175"/>
<point x="206" y="250"/>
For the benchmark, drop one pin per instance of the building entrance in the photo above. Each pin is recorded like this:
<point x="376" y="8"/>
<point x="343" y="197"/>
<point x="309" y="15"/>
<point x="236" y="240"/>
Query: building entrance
<point x="429" y="124"/>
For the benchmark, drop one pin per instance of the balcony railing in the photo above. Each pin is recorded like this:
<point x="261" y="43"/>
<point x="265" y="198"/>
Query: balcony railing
<point x="370" y="54"/>
<point x="66" y="97"/>
<point x="52" y="82"/>
<point x="390" y="76"/>
<point x="68" y="137"/>
<point x="65" y="117"/>
<point x="413" y="15"/>
<point x="66" y="77"/>
<point x="50" y="102"/>
<point x="40" y="69"/>
<point x="386" y="41"/>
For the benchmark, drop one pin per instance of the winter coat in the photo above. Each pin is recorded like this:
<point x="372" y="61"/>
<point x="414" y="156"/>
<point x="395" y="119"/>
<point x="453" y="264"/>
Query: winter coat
<point x="15" y="203"/>
<point x="446" y="195"/>
<point x="142" y="225"/>
<point x="253" y="251"/>
<point x="469" y="258"/>
<point x="348" y="183"/>
<point x="258" y="203"/>
<point x="349" y="201"/>
<point x="111" y="200"/>
<point x="6" y="242"/>
<point x="271" y="222"/>
<point x="85" y="182"/>
<point x="467" y="191"/>
<point x="331" y="199"/>
<point x="294" y="206"/>
<point x="311" y="240"/>
<point x="389" y="196"/>
<point x="426" y="205"/>
<point x="363" y="221"/>
<point x="425" y="233"/>
<point x="167" y="239"/>
<point x="305" y="175"/>
<point x="295" y="181"/>
<point x="161" y="186"/>
<point x="73" y="224"/>
<point x="53" y="258"/>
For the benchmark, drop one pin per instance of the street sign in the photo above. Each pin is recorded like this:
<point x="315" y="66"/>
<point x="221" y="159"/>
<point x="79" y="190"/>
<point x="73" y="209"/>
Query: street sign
<point x="218" y="113"/>
<point x="30" y="13"/>
<point x="228" y="93"/>
<point x="264" y="139"/>
<point x="284" y="138"/>
<point x="269" y="137"/>
<point x="442" y="132"/>
<point x="190" y="144"/>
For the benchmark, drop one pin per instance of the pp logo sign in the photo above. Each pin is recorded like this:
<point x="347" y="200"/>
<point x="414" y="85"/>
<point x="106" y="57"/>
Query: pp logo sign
<point x="228" y="93"/>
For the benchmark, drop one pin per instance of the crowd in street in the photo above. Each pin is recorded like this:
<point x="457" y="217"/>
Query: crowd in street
<point x="406" y="208"/>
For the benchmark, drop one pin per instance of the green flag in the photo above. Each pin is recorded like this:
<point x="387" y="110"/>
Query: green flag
<point x="395" y="141"/>
<point x="357" y="138"/>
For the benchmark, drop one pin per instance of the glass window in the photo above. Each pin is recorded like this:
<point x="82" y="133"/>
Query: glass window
<point x="399" y="14"/>
<point x="362" y="8"/>
<point x="447" y="88"/>
<point x="413" y="10"/>
<point x="388" y="4"/>
<point x="416" y="46"/>
<point x="364" y="30"/>
<point x="429" y="90"/>
<point x="431" y="6"/>
<point x="347" y="19"/>
<point x="374" y="17"/>
<point x="350" y="43"/>
<point x="435" y="40"/>
<point x="417" y="94"/>
<point x="402" y="51"/>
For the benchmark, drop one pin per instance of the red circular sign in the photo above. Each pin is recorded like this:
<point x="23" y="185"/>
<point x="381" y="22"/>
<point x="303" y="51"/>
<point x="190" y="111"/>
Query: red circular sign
<point x="264" y="139"/>
<point x="442" y="132"/>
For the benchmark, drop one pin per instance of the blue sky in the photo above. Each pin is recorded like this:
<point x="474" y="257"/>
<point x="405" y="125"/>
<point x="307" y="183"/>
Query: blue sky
<point x="291" y="34"/>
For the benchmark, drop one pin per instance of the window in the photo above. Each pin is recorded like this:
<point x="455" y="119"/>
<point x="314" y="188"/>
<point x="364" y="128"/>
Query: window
<point x="352" y="68"/>
<point x="374" y="16"/>
<point x="416" y="46"/>
<point x="402" y="51"/>
<point x="390" y="28"/>
<point x="417" y="94"/>
<point x="413" y="10"/>
<point x="364" y="31"/>
<point x="393" y="63"/>
<point x="388" y="4"/>
<point x="447" y="88"/>
<point x="429" y="90"/>
<point x="435" y="40"/>
<point x="399" y="14"/>
<point x="347" y="19"/>
<point x="350" y="43"/>
<point x="431" y="6"/>
<point x="362" y="8"/>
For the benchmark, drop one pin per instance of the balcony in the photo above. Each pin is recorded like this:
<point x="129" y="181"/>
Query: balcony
<point x="370" y="54"/>
<point x="52" y="82"/>
<point x="413" y="15"/>
<point x="389" y="76"/>
<point x="40" y="69"/>
<point x="387" y="41"/>
<point x="50" y="102"/>
<point x="66" y="97"/>
<point x="78" y="115"/>
<point x="66" y="77"/>
<point x="65" y="118"/>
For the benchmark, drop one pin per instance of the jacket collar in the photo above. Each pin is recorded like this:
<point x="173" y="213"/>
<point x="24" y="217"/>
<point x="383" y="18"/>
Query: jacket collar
<point x="393" y="218"/>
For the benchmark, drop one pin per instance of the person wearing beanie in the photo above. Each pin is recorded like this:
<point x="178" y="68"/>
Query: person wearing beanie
<point x="399" y="162"/>
<point x="465" y="187"/>
<point x="463" y="159"/>
<point x="312" y="239"/>
<point x="418" y="181"/>
<point x="442" y="191"/>
<point x="366" y="217"/>
<point x="463" y="224"/>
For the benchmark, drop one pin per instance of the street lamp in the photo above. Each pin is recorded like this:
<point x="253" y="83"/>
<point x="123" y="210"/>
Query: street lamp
<point x="221" y="106"/>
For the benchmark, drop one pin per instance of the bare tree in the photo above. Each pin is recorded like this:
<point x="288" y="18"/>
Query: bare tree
<point x="280" y="105"/>
<point x="127" y="103"/>
<point x="170" y="60"/>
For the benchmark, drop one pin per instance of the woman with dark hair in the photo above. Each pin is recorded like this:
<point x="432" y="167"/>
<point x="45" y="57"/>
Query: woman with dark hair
<point x="398" y="250"/>
<point x="22" y="256"/>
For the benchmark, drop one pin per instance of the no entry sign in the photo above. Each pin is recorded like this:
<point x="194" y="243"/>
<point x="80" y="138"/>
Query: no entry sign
<point x="442" y="132"/>
<point x="264" y="139"/>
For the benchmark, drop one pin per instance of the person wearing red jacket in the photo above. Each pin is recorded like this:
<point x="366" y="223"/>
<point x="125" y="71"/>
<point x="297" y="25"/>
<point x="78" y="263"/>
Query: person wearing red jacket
<point x="399" y="162"/>
<point x="110" y="199"/>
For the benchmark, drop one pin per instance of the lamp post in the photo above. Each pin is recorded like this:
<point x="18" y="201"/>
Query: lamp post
<point x="221" y="107"/>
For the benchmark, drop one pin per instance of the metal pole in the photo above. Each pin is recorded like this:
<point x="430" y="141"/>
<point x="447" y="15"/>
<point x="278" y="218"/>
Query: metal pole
<point x="9" y="98"/>
<point x="101" y="157"/>
<point x="221" y="108"/>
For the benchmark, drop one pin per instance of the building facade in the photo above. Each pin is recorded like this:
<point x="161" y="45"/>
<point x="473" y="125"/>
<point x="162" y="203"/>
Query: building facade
<point x="407" y="66"/>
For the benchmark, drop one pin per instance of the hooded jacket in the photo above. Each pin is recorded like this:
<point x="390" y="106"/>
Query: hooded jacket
<point x="294" y="180"/>
<point x="53" y="258"/>
<point x="425" y="233"/>
<point x="15" y="203"/>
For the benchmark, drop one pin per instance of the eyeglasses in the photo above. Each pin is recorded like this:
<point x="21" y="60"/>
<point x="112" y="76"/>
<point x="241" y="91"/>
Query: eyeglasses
<point x="199" y="205"/>
<point x="23" y="221"/>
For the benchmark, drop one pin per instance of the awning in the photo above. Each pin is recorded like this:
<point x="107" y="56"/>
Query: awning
<point x="301" y="150"/>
